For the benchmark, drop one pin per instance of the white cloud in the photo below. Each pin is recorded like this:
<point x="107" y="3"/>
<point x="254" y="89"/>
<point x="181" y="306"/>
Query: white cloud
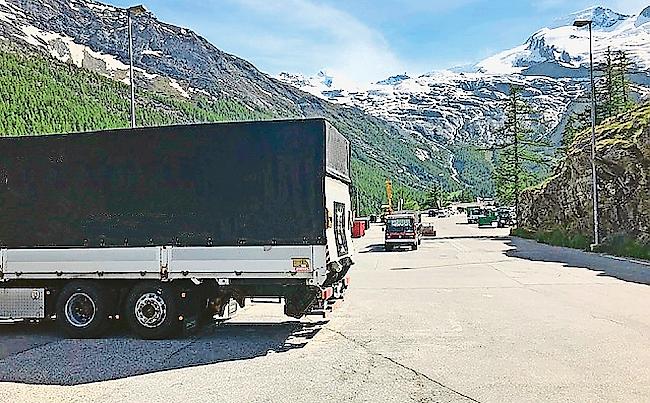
<point x="629" y="6"/>
<point x="621" y="6"/>
<point x="323" y="36"/>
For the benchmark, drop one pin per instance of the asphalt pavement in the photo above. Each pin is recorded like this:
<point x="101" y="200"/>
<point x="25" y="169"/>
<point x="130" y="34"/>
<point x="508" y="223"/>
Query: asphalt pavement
<point x="472" y="315"/>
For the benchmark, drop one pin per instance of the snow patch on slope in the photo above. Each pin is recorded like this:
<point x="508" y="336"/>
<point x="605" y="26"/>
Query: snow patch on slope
<point x="422" y="155"/>
<point x="71" y="52"/>
<point x="150" y="52"/>
<point x="175" y="85"/>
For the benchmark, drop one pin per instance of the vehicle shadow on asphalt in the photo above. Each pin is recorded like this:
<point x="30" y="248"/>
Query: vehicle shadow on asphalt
<point x="40" y="355"/>
<point x="379" y="247"/>
<point x="375" y="248"/>
<point x="488" y="237"/>
<point x="574" y="258"/>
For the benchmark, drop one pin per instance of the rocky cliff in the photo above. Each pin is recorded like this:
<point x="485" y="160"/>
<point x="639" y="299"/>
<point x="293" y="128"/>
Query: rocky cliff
<point x="563" y="203"/>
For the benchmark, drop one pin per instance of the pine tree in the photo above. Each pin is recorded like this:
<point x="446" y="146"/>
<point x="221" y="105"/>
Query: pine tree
<point x="520" y="158"/>
<point x="613" y="86"/>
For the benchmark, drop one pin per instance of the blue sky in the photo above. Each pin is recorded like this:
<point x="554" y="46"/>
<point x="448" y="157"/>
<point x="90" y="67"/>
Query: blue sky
<point x="367" y="40"/>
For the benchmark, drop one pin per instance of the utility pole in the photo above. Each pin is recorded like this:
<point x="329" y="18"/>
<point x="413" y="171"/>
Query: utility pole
<point x="516" y="143"/>
<point x="594" y="178"/>
<point x="130" y="12"/>
<point x="358" y="206"/>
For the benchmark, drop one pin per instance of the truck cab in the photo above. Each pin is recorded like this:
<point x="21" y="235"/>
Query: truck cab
<point x="402" y="230"/>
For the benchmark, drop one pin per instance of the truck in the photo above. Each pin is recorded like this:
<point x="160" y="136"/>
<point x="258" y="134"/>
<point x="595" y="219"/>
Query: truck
<point x="403" y="229"/>
<point x="165" y="227"/>
<point x="487" y="218"/>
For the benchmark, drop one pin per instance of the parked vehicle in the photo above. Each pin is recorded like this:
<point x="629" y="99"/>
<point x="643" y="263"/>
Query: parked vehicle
<point x="505" y="217"/>
<point x="165" y="226"/>
<point x="487" y="218"/>
<point x="402" y="230"/>
<point x="428" y="229"/>
<point x="473" y="213"/>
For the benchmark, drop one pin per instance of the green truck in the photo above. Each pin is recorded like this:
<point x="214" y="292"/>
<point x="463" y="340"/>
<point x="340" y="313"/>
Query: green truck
<point x="487" y="217"/>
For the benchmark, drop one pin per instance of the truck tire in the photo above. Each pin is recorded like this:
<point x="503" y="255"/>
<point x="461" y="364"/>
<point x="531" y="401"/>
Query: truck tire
<point x="82" y="310"/>
<point x="388" y="248"/>
<point x="152" y="311"/>
<point x="415" y="246"/>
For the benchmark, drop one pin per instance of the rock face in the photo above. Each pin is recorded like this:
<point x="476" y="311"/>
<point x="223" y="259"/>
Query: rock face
<point x="623" y="167"/>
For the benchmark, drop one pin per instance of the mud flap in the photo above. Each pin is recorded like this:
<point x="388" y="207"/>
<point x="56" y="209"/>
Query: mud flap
<point x="298" y="302"/>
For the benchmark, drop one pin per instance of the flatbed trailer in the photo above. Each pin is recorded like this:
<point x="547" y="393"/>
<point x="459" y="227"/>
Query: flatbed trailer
<point x="165" y="226"/>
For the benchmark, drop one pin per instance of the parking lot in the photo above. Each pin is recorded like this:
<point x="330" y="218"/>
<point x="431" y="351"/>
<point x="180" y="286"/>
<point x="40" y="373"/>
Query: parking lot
<point x="472" y="315"/>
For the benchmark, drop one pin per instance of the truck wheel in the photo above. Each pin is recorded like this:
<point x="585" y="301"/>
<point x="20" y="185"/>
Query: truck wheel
<point x="152" y="311"/>
<point x="388" y="248"/>
<point x="82" y="310"/>
<point x="415" y="246"/>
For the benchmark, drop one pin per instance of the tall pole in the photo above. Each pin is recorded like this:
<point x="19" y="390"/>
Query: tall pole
<point x="358" y="206"/>
<point x="594" y="178"/>
<point x="516" y="144"/>
<point x="128" y="13"/>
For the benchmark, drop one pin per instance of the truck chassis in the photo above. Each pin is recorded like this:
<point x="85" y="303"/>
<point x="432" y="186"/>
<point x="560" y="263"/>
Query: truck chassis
<point x="160" y="290"/>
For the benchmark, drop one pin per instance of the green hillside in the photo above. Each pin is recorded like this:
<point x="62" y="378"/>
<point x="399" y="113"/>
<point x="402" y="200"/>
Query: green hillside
<point x="41" y="97"/>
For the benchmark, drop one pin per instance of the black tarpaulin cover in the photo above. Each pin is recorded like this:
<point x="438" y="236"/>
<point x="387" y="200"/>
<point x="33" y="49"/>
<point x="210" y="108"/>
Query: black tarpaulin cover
<point x="250" y="183"/>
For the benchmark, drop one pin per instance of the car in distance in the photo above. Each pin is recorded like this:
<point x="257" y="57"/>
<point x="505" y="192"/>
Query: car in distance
<point x="505" y="217"/>
<point x="473" y="213"/>
<point x="428" y="229"/>
<point x="402" y="230"/>
<point x="487" y="218"/>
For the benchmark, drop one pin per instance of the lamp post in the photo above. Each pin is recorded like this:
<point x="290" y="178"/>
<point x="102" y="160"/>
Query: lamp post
<point x="439" y="195"/>
<point x="130" y="12"/>
<point x="594" y="179"/>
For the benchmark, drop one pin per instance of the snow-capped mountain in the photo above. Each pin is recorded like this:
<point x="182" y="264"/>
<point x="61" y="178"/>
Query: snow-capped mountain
<point x="324" y="84"/>
<point x="563" y="50"/>
<point x="168" y="58"/>
<point x="464" y="105"/>
<point x="447" y="107"/>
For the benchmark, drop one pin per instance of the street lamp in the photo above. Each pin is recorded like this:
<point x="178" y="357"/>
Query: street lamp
<point x="580" y="24"/>
<point x="130" y="12"/>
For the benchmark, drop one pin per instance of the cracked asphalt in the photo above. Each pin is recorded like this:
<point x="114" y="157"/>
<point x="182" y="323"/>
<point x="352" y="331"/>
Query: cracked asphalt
<point x="471" y="316"/>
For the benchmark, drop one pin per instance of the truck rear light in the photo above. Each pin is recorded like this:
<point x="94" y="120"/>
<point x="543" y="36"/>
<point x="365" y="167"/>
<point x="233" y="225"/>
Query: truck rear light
<point x="327" y="293"/>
